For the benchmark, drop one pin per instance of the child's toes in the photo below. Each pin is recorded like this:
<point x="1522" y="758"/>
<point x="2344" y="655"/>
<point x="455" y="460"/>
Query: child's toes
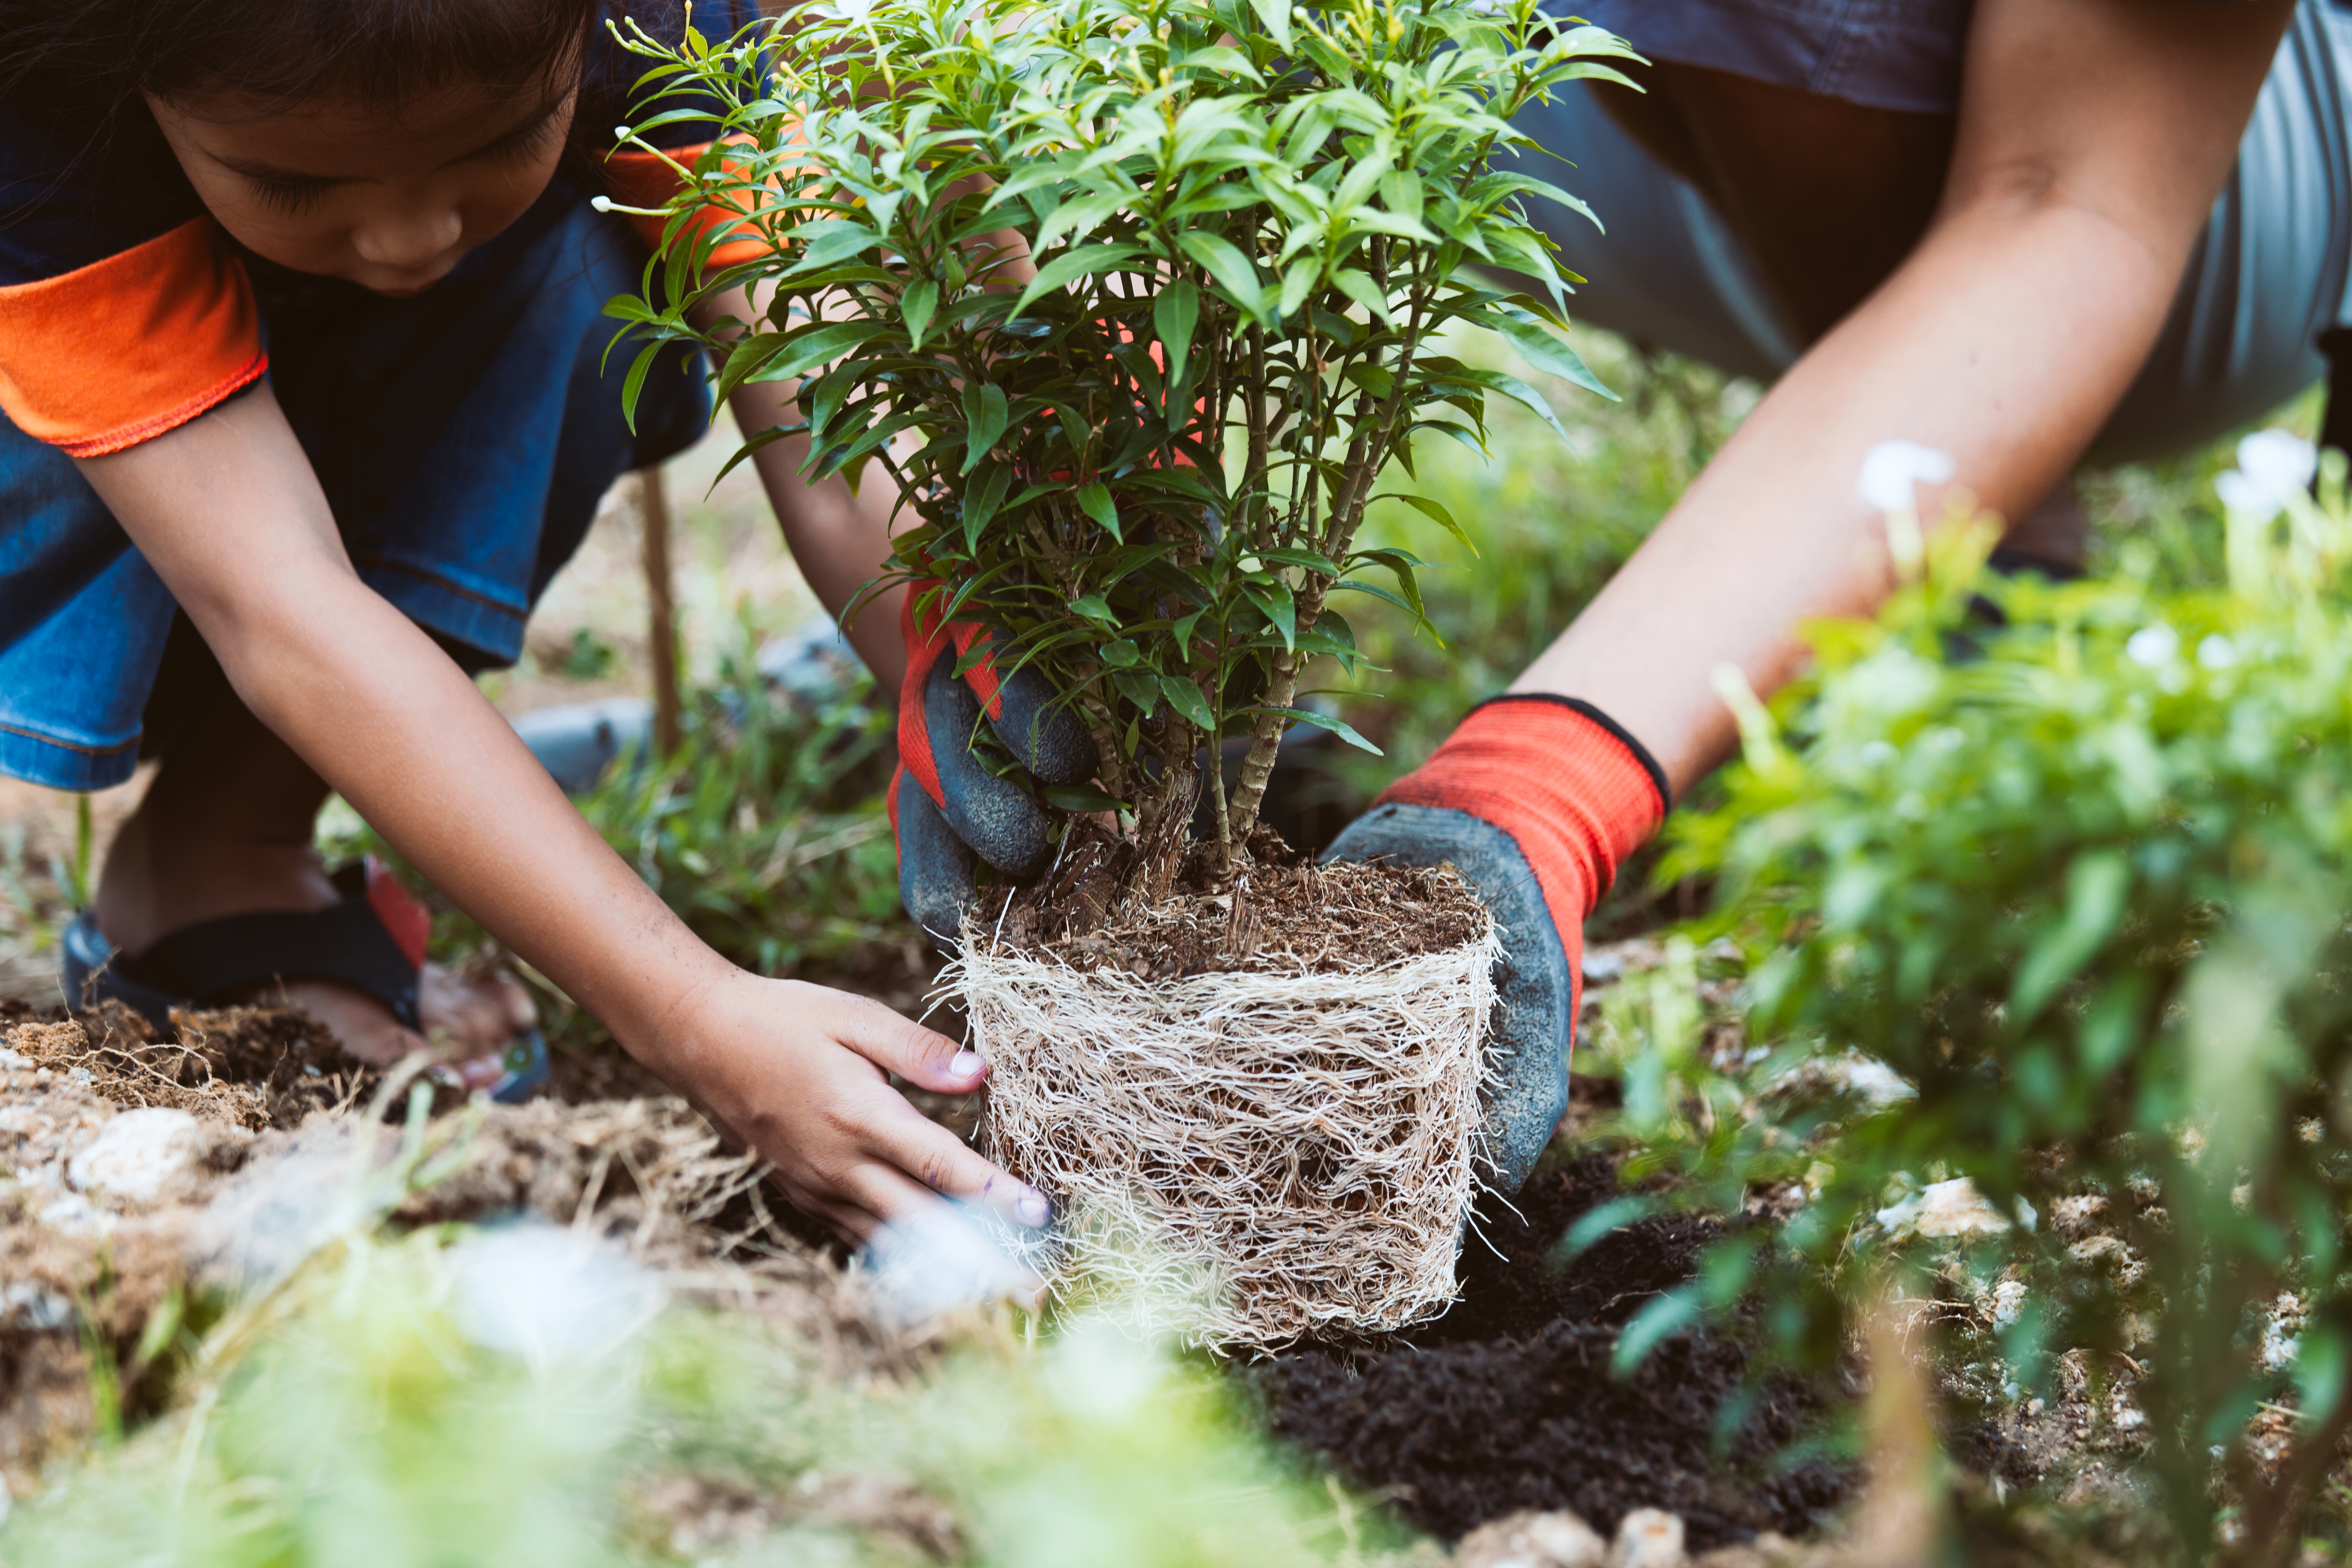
<point x="482" y="1014"/>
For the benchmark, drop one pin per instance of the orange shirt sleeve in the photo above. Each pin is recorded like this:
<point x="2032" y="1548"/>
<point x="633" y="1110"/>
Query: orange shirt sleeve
<point x="120" y="350"/>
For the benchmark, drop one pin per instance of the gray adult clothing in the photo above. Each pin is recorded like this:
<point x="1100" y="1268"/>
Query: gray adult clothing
<point x="2268" y="276"/>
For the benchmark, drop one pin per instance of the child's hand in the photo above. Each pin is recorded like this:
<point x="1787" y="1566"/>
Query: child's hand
<point x="795" y="1071"/>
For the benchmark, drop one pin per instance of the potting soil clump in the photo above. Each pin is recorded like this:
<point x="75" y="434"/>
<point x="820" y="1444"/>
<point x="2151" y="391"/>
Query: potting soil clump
<point x="1257" y="1110"/>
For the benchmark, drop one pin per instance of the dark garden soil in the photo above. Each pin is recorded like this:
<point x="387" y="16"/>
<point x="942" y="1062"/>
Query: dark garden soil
<point x="1508" y="1402"/>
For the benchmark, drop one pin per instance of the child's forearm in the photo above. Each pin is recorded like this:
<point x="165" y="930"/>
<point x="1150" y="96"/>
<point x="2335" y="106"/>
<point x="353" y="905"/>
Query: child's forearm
<point x="390" y="721"/>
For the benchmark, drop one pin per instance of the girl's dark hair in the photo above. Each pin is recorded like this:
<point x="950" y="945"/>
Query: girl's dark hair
<point x="106" y="53"/>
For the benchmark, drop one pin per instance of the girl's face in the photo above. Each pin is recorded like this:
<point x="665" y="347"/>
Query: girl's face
<point x="387" y="201"/>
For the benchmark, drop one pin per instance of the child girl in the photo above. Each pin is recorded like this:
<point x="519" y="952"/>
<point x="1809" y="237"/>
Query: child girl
<point x="302" y="403"/>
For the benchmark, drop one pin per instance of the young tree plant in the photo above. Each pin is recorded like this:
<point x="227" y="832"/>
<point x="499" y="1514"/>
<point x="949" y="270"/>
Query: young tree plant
<point x="1134" y="301"/>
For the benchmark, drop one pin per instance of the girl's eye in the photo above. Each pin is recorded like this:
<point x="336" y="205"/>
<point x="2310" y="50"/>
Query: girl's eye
<point x="289" y="196"/>
<point x="524" y="145"/>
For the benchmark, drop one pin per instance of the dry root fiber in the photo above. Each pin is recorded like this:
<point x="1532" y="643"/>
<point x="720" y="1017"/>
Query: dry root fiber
<point x="1245" y="1157"/>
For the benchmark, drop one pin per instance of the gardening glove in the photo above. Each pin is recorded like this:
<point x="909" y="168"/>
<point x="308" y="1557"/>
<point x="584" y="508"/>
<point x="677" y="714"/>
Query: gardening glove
<point x="1533" y="800"/>
<point x="947" y="808"/>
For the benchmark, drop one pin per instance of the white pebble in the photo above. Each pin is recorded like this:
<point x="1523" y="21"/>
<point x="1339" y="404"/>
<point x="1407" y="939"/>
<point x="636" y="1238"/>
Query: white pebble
<point x="1648" y="1538"/>
<point x="138" y="1154"/>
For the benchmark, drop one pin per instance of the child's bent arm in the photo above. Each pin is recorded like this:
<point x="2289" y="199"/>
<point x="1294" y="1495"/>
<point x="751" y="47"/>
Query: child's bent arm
<point x="229" y="514"/>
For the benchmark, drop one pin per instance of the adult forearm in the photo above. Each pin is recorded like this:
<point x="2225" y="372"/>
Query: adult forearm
<point x="838" y="540"/>
<point x="2005" y="341"/>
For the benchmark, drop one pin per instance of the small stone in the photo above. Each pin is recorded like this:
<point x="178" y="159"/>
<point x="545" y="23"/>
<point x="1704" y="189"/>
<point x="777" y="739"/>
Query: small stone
<point x="2094" y="1249"/>
<point x="1951" y="1208"/>
<point x="1648" y="1538"/>
<point x="138" y="1154"/>
<point x="1532" y="1541"/>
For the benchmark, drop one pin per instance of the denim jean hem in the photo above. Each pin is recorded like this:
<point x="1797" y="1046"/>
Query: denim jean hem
<point x="57" y="763"/>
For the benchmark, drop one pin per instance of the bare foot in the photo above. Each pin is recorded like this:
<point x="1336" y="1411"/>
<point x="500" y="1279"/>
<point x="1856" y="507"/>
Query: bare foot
<point x="468" y="1021"/>
<point x="233" y="836"/>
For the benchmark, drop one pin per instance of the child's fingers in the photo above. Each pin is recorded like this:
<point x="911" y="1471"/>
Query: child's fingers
<point x="942" y="1163"/>
<point x="923" y="1057"/>
<point x="944" y="1241"/>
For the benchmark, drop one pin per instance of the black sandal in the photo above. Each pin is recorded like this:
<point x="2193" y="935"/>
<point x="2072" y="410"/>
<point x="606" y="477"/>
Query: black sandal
<point x="374" y="941"/>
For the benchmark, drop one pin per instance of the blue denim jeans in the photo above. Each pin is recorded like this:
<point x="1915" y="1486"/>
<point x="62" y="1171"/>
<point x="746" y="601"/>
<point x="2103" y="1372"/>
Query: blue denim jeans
<point x="2267" y="278"/>
<point x="463" y="438"/>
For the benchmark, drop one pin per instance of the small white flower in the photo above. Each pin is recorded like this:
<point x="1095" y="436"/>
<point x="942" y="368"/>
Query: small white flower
<point x="1893" y="470"/>
<point x="2153" y="646"/>
<point x="2273" y="466"/>
<point x="2217" y="652"/>
<point x="548" y="1294"/>
<point x="620" y="133"/>
<point x="602" y="203"/>
<point x="2279" y="459"/>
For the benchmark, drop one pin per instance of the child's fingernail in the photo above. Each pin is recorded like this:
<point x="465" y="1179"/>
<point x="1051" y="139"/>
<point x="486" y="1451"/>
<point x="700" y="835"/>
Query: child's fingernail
<point x="967" y="1064"/>
<point x="1032" y="1209"/>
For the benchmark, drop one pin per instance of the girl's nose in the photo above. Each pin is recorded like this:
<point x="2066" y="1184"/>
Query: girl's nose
<point x="408" y="240"/>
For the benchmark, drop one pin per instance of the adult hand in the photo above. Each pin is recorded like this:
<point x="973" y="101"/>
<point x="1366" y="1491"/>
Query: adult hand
<point x="797" y="1073"/>
<point x="947" y="807"/>
<point x="1534" y="801"/>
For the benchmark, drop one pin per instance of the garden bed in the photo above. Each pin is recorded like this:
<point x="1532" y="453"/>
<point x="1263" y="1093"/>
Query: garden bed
<point x="1508" y="1402"/>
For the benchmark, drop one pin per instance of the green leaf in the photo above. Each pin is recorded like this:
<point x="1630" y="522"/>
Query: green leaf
<point x="1332" y="722"/>
<point x="1603" y="1220"/>
<point x="1662" y="1317"/>
<point x="2097" y="885"/>
<point x="1549" y="355"/>
<point x="1184" y="696"/>
<point x="1274" y="15"/>
<point x="1094" y="607"/>
<point x="916" y="304"/>
<point x="1069" y="266"/>
<point x="1122" y="653"/>
<point x="980" y="499"/>
<point x="1305" y="560"/>
<point x="1275" y="600"/>
<point x="1139" y="687"/>
<point x="828" y="242"/>
<point x="1520" y="393"/>
<point x="1435" y="511"/>
<point x="1094" y="500"/>
<point x="1232" y="270"/>
<point x="1080" y="797"/>
<point x="984" y="415"/>
<point x="1173" y="316"/>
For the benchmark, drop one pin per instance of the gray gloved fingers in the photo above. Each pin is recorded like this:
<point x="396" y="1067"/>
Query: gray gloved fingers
<point x="1526" y="1091"/>
<point x="1044" y="733"/>
<point x="994" y="816"/>
<point x="935" y="867"/>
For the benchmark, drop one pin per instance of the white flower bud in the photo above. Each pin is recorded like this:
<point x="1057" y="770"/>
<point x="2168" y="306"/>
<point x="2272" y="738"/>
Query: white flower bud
<point x="1893" y="470"/>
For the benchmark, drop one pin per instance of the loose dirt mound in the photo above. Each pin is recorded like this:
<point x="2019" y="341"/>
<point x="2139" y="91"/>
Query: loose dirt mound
<point x="1508" y="1403"/>
<point x="141" y="1178"/>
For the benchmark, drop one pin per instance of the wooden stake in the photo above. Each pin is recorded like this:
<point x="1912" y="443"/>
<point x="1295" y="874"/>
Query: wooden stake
<point x="661" y="601"/>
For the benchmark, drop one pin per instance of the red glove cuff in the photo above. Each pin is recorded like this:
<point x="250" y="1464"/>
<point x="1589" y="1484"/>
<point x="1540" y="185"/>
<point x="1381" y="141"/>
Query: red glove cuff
<point x="1576" y="794"/>
<point x="923" y="650"/>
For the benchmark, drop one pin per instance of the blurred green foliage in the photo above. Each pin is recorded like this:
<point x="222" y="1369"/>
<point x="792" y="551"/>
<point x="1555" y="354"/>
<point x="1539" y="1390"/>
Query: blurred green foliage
<point x="765" y="830"/>
<point x="2082" y="881"/>
<point x="359" y="1417"/>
